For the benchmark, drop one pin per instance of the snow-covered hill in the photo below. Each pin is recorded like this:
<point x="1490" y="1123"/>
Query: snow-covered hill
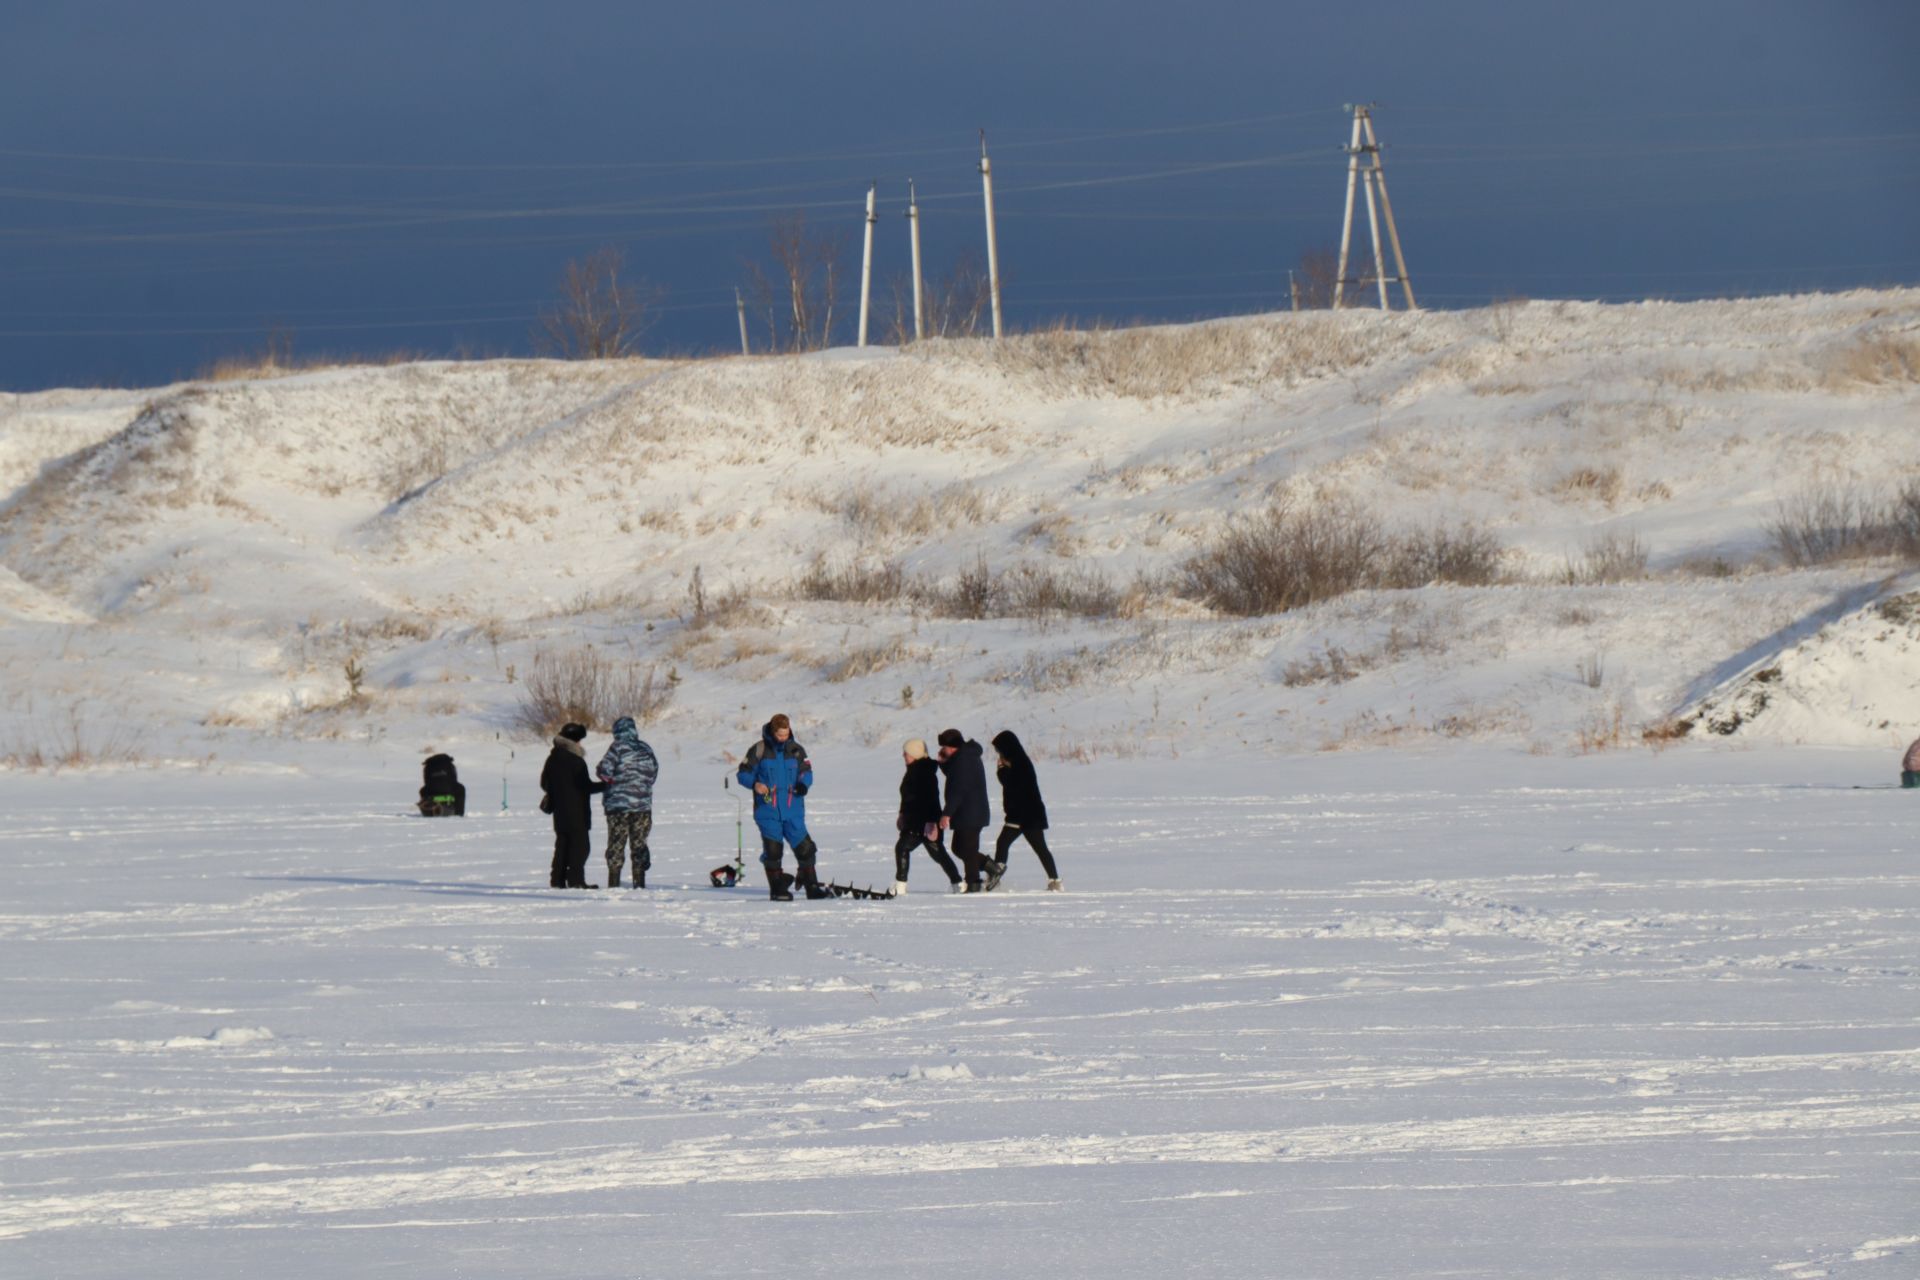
<point x="204" y="560"/>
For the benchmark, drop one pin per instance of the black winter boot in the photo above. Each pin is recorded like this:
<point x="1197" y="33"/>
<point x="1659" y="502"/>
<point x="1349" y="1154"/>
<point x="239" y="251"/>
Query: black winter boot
<point x="613" y="877"/>
<point x="779" y="885"/>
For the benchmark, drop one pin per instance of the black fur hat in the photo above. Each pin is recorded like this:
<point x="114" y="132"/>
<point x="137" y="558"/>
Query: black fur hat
<point x="577" y="732"/>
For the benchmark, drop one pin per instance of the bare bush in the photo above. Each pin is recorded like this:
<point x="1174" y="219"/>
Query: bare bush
<point x="1830" y="521"/>
<point x="1332" y="665"/>
<point x="585" y="686"/>
<point x="1876" y="360"/>
<point x="1285" y="558"/>
<point x="1290" y="556"/>
<point x="1467" y="555"/>
<point x="72" y="743"/>
<point x="1031" y="591"/>
<point x="854" y="583"/>
<point x="1608" y="557"/>
<point x="870" y="659"/>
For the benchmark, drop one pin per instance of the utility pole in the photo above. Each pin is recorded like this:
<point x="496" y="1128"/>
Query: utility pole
<point x="993" y="252"/>
<point x="913" y="227"/>
<point x="1293" y="290"/>
<point x="1364" y="142"/>
<point x="866" y="266"/>
<point x="740" y="305"/>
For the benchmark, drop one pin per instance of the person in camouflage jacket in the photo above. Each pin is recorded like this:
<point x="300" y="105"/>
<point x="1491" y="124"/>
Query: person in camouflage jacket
<point x="629" y="769"/>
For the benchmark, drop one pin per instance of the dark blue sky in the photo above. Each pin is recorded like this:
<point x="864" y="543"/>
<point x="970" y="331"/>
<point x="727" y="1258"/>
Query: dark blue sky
<point x="177" y="179"/>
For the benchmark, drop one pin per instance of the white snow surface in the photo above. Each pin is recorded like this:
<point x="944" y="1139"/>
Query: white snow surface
<point x="1354" y="1015"/>
<point x="1389" y="947"/>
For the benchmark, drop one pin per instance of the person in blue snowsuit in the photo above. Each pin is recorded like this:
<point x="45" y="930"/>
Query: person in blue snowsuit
<point x="779" y="773"/>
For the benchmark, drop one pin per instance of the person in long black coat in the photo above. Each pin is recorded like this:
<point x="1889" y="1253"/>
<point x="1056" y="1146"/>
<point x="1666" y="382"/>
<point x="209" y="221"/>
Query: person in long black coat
<point x="966" y="813"/>
<point x="1021" y="808"/>
<point x="569" y="790"/>
<point x="919" y="820"/>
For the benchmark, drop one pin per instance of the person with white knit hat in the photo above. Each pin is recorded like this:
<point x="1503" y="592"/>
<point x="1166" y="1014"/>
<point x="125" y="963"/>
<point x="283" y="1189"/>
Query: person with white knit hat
<point x="919" y="820"/>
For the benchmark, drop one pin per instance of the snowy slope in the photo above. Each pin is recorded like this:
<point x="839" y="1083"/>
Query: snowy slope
<point x="235" y="543"/>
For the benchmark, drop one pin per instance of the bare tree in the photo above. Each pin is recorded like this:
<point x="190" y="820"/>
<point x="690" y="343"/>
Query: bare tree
<point x="957" y="300"/>
<point x="798" y="295"/>
<point x="1315" y="273"/>
<point x="599" y="313"/>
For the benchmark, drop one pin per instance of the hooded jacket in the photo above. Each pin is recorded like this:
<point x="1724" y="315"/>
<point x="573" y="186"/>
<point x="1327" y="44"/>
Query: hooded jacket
<point x="1020" y="802"/>
<point x="919" y="795"/>
<point x="629" y="769"/>
<point x="438" y="778"/>
<point x="781" y="814"/>
<point x="568" y="786"/>
<point x="966" y="806"/>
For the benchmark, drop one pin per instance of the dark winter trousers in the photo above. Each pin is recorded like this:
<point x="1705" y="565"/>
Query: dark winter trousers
<point x="966" y="847"/>
<point x="772" y="850"/>
<point x="1036" y="838"/>
<point x="624" y="830"/>
<point x="569" y="856"/>
<point x="903" y="854"/>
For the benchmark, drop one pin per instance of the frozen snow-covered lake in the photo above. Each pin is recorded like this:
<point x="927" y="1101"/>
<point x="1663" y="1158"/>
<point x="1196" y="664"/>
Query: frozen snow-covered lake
<point x="1351" y="1015"/>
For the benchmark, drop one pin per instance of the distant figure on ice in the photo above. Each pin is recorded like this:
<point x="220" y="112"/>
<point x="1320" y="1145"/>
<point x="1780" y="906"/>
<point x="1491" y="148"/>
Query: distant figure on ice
<point x="629" y="769"/>
<point x="1021" y="809"/>
<point x="919" y="820"/>
<point x="778" y="771"/>
<point x="569" y="791"/>
<point x="1910" y="766"/>
<point x="965" y="813"/>
<point x="441" y="792"/>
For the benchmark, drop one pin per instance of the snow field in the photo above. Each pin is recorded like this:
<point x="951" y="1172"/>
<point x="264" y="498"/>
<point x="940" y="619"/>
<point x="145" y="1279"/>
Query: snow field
<point x="1350" y="1015"/>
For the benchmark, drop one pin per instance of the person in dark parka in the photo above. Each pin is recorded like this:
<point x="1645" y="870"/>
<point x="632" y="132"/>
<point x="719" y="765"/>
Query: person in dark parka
<point x="919" y="820"/>
<point x="1021" y="809"/>
<point x="965" y="813"/>
<point x="441" y="792"/>
<point x="569" y="790"/>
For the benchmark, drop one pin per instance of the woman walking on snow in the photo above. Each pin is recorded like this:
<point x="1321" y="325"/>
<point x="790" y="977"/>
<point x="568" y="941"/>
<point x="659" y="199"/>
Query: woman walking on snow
<point x="1022" y="809"/>
<point x="629" y="769"/>
<point x="919" y="820"/>
<point x="778" y="771"/>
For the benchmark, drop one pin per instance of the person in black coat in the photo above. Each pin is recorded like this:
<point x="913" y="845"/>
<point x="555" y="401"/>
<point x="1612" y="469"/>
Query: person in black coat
<point x="1021" y="809"/>
<point x="965" y="813"/>
<point x="919" y="820"/>
<point x="441" y="792"/>
<point x="569" y="790"/>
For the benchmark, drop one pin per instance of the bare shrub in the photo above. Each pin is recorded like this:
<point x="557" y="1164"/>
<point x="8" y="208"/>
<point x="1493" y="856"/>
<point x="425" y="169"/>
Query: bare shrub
<point x="976" y="592"/>
<point x="869" y="659"/>
<point x="1602" y="730"/>
<point x="1599" y="484"/>
<point x="796" y="296"/>
<point x="853" y="583"/>
<point x="1902" y="518"/>
<point x="1875" y="360"/>
<point x="1829" y="521"/>
<point x="72" y="743"/>
<point x="1332" y="665"/>
<point x="587" y="687"/>
<point x="1592" y="670"/>
<point x="1467" y="555"/>
<point x="1608" y="557"/>
<point x="1285" y="558"/>
<point x="732" y="607"/>
<point x="1034" y="591"/>
<point x="878" y="515"/>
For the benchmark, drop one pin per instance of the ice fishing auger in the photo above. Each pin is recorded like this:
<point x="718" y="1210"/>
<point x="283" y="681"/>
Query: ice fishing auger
<point x="727" y="875"/>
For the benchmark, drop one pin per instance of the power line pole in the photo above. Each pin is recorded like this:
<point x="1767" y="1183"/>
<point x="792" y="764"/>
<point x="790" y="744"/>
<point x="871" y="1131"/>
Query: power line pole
<point x="1364" y="142"/>
<point x="913" y="226"/>
<point x="1293" y="290"/>
<point x="993" y="252"/>
<point x="866" y="267"/>
<point x="740" y="305"/>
